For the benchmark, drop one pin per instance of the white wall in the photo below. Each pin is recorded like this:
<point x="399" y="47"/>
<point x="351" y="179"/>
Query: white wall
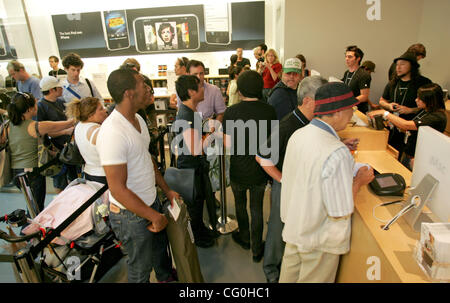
<point x="434" y="33"/>
<point x="322" y="29"/>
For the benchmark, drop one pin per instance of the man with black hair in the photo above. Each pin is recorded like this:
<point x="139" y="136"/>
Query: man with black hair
<point x="25" y="82"/>
<point x="74" y="86"/>
<point x="213" y="104"/>
<point x="188" y="127"/>
<point x="399" y="96"/>
<point x="250" y="120"/>
<point x="418" y="49"/>
<point x="356" y="77"/>
<point x="52" y="108"/>
<point x="135" y="210"/>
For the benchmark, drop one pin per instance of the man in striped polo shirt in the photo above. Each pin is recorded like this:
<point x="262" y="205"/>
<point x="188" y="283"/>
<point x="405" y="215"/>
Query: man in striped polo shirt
<point x="319" y="183"/>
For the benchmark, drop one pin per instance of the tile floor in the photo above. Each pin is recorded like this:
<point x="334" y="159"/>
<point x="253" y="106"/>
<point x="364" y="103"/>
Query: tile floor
<point x="222" y="263"/>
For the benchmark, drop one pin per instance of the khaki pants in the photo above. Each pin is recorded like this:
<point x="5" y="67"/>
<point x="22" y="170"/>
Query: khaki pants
<point x="313" y="267"/>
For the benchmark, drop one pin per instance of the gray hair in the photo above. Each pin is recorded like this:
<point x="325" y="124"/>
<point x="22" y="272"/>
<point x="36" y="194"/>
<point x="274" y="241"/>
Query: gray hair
<point x="308" y="87"/>
<point x="15" y="65"/>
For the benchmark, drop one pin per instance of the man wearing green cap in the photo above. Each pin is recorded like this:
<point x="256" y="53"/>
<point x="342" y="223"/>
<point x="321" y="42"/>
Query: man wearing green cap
<point x="283" y="96"/>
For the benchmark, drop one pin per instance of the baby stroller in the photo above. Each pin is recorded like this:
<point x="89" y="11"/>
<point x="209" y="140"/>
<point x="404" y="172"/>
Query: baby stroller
<point x="70" y="240"/>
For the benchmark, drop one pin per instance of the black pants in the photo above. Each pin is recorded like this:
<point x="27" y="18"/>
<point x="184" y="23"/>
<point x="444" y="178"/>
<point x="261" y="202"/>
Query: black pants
<point x="397" y="141"/>
<point x="254" y="233"/>
<point x="203" y="192"/>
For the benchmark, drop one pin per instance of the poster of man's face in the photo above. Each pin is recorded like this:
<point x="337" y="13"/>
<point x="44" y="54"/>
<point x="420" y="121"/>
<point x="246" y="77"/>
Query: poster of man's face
<point x="167" y="35"/>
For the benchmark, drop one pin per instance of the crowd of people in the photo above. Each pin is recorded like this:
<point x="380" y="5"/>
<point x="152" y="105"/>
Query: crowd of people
<point x="274" y="113"/>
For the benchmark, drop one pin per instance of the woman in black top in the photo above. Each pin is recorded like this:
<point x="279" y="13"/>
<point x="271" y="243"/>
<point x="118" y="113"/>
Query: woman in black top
<point x="430" y="101"/>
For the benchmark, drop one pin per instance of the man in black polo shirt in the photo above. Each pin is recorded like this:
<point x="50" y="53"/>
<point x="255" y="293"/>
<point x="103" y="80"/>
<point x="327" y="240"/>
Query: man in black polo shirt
<point x="188" y="125"/>
<point x="400" y="95"/>
<point x="303" y="113"/>
<point x="247" y="126"/>
<point x="357" y="78"/>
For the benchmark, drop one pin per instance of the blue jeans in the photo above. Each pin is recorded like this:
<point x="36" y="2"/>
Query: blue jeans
<point x="274" y="247"/>
<point x="256" y="210"/>
<point x="146" y="250"/>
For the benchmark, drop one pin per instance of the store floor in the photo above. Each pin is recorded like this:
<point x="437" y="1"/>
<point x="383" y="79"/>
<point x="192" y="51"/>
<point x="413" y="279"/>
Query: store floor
<point x="226" y="262"/>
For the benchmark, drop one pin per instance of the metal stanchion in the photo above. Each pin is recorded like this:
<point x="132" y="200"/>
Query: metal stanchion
<point x="226" y="224"/>
<point x="29" y="198"/>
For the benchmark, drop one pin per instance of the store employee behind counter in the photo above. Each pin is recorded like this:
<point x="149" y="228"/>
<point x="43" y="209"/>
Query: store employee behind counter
<point x="431" y="106"/>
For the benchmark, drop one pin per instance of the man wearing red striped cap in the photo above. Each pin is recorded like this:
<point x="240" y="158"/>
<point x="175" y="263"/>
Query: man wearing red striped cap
<point x="319" y="183"/>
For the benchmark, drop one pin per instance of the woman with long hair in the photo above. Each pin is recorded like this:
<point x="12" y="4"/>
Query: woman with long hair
<point x="90" y="113"/>
<point x="430" y="101"/>
<point x="23" y="141"/>
<point x="271" y="72"/>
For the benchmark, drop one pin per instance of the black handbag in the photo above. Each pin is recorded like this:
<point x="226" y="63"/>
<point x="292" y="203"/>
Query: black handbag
<point x="48" y="154"/>
<point x="70" y="153"/>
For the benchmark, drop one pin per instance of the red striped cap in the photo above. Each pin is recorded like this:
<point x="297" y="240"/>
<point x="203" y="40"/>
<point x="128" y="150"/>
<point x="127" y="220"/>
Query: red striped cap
<point x="333" y="97"/>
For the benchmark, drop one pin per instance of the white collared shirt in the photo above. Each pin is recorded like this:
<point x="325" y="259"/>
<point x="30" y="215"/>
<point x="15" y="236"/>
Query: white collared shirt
<point x="81" y="88"/>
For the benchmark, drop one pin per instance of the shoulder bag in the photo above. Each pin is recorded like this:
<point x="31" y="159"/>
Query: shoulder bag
<point x="70" y="153"/>
<point x="48" y="155"/>
<point x="5" y="155"/>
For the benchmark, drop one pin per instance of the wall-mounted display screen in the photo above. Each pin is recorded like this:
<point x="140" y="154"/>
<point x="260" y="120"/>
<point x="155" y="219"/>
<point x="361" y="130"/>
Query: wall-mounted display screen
<point x="190" y="28"/>
<point x="166" y="33"/>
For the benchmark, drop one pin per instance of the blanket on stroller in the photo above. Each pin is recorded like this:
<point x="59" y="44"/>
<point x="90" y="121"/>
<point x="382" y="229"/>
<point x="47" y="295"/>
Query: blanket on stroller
<point x="66" y="203"/>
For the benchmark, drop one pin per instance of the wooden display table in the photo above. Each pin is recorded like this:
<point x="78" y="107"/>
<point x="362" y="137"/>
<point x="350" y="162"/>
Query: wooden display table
<point x="370" y="139"/>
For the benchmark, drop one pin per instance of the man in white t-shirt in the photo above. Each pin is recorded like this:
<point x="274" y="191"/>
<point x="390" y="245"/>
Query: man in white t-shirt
<point x="122" y="145"/>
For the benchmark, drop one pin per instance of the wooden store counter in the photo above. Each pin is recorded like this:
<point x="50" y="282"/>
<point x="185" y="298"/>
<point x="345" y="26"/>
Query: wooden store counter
<point x="377" y="255"/>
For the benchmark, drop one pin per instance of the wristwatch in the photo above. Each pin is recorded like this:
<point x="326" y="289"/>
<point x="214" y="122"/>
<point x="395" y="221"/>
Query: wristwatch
<point x="385" y="114"/>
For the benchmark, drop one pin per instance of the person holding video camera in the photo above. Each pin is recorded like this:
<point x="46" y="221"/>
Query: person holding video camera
<point x="400" y="95"/>
<point x="270" y="71"/>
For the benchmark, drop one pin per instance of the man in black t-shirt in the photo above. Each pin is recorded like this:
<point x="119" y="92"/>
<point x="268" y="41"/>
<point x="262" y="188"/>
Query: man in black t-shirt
<point x="56" y="71"/>
<point x="400" y="95"/>
<point x="241" y="61"/>
<point x="188" y="127"/>
<point x="247" y="126"/>
<point x="357" y="78"/>
<point x="296" y="119"/>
